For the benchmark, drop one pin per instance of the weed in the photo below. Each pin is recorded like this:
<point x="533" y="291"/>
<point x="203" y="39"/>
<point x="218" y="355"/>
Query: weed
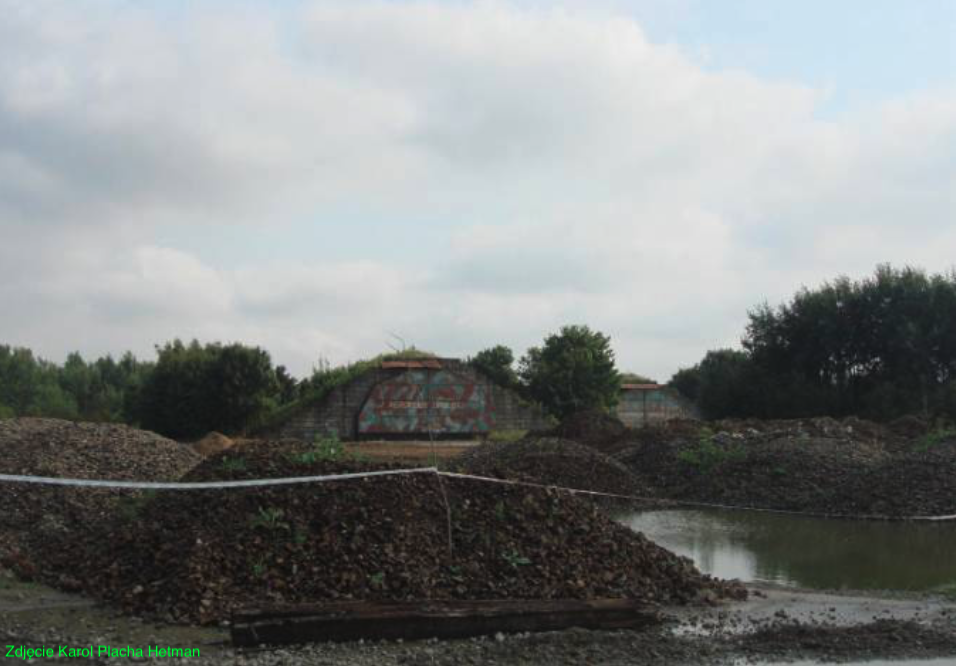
<point x="259" y="569"/>
<point x="500" y="511"/>
<point x="933" y="439"/>
<point x="233" y="464"/>
<point x="131" y="508"/>
<point x="515" y="559"/>
<point x="377" y="580"/>
<point x="707" y="453"/>
<point x="323" y="449"/>
<point x="269" y="518"/>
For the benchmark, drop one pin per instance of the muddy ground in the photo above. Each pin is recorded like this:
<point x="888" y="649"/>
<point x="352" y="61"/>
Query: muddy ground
<point x="774" y="624"/>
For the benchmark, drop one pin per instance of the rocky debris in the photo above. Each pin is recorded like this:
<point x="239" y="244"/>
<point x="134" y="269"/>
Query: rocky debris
<point x="919" y="482"/>
<point x="56" y="448"/>
<point x="821" y="465"/>
<point x="885" y="639"/>
<point x="213" y="443"/>
<point x="195" y="556"/>
<point x="591" y="427"/>
<point x="551" y="461"/>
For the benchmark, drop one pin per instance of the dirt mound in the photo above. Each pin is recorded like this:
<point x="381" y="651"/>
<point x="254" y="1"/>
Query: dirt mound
<point x="212" y="443"/>
<point x="917" y="483"/>
<point x="591" y="427"/>
<point x="551" y="461"/>
<point x="55" y="448"/>
<point x="197" y="555"/>
<point x="909" y="427"/>
<point x="791" y="465"/>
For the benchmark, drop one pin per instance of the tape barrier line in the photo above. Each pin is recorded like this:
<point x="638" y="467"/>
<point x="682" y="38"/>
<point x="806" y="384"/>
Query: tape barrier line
<point x="700" y="505"/>
<point x="208" y="485"/>
<point x="259" y="483"/>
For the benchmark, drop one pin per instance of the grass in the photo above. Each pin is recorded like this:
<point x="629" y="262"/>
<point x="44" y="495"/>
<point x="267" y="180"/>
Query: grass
<point x="506" y="435"/>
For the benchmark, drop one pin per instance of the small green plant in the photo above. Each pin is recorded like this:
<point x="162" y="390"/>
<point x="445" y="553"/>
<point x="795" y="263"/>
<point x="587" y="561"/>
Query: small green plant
<point x="933" y="439"/>
<point x="515" y="559"/>
<point x="233" y="464"/>
<point x="259" y="569"/>
<point x="323" y="448"/>
<point x="131" y="508"/>
<point x="500" y="511"/>
<point x="707" y="453"/>
<point x="269" y="518"/>
<point x="377" y="580"/>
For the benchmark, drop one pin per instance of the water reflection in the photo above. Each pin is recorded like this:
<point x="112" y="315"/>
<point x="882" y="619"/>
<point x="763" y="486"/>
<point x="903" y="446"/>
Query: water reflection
<point x="808" y="552"/>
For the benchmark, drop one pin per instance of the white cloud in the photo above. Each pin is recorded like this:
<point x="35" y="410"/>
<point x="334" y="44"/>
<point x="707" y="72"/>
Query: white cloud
<point x="578" y="173"/>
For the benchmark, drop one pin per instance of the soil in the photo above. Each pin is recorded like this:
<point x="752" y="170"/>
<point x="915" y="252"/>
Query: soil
<point x="773" y="625"/>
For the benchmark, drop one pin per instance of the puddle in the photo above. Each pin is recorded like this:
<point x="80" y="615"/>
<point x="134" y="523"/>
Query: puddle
<point x="806" y="552"/>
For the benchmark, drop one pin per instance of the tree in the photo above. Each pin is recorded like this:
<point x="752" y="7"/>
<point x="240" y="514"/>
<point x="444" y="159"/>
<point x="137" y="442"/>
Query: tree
<point x="194" y="389"/>
<point x="880" y="347"/>
<point x="497" y="364"/>
<point x="573" y="371"/>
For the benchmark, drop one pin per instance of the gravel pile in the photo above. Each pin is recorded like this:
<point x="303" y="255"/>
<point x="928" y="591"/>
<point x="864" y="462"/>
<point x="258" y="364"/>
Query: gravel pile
<point x="847" y="467"/>
<point x="56" y="448"/>
<point x="914" y="483"/>
<point x="196" y="556"/>
<point x="593" y="428"/>
<point x="552" y="461"/>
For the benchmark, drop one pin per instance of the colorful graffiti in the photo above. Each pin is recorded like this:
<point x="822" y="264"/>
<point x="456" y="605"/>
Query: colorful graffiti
<point x="427" y="401"/>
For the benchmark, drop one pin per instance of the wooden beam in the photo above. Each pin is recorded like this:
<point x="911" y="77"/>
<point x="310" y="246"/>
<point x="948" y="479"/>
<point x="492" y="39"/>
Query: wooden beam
<point x="349" y="621"/>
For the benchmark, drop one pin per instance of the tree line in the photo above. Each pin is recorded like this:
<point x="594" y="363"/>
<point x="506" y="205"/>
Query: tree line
<point x="194" y="388"/>
<point x="880" y="347"/>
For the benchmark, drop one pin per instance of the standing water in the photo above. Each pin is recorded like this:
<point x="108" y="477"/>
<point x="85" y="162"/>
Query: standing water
<point x="807" y="552"/>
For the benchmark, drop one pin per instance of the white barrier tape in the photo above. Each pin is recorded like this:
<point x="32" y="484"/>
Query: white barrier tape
<point x="704" y="505"/>
<point x="510" y="482"/>
<point x="207" y="485"/>
<point x="258" y="483"/>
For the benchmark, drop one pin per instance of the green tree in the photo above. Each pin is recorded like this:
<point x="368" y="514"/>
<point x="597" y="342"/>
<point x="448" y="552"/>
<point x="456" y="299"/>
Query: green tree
<point x="881" y="347"/>
<point x="573" y="371"/>
<point x="497" y="363"/>
<point x="194" y="389"/>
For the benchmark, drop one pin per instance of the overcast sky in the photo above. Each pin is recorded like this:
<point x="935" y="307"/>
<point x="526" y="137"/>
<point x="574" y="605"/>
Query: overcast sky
<point x="311" y="176"/>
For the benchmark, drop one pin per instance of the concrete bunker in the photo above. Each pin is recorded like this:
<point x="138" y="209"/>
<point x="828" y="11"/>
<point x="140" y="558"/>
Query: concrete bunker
<point x="440" y="398"/>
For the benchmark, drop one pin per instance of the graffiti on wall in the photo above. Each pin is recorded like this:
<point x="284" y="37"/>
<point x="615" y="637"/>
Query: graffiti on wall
<point x="426" y="400"/>
<point x="650" y="404"/>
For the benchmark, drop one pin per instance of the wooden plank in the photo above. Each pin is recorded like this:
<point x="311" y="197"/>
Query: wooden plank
<point x="349" y="621"/>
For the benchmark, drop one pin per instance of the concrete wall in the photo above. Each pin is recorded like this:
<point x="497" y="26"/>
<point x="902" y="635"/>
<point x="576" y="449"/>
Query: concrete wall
<point x="650" y="406"/>
<point x="338" y="413"/>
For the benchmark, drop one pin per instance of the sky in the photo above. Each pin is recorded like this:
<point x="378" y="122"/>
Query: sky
<point x="326" y="179"/>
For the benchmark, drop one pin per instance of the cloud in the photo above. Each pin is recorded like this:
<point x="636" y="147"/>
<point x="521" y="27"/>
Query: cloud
<point x="571" y="172"/>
